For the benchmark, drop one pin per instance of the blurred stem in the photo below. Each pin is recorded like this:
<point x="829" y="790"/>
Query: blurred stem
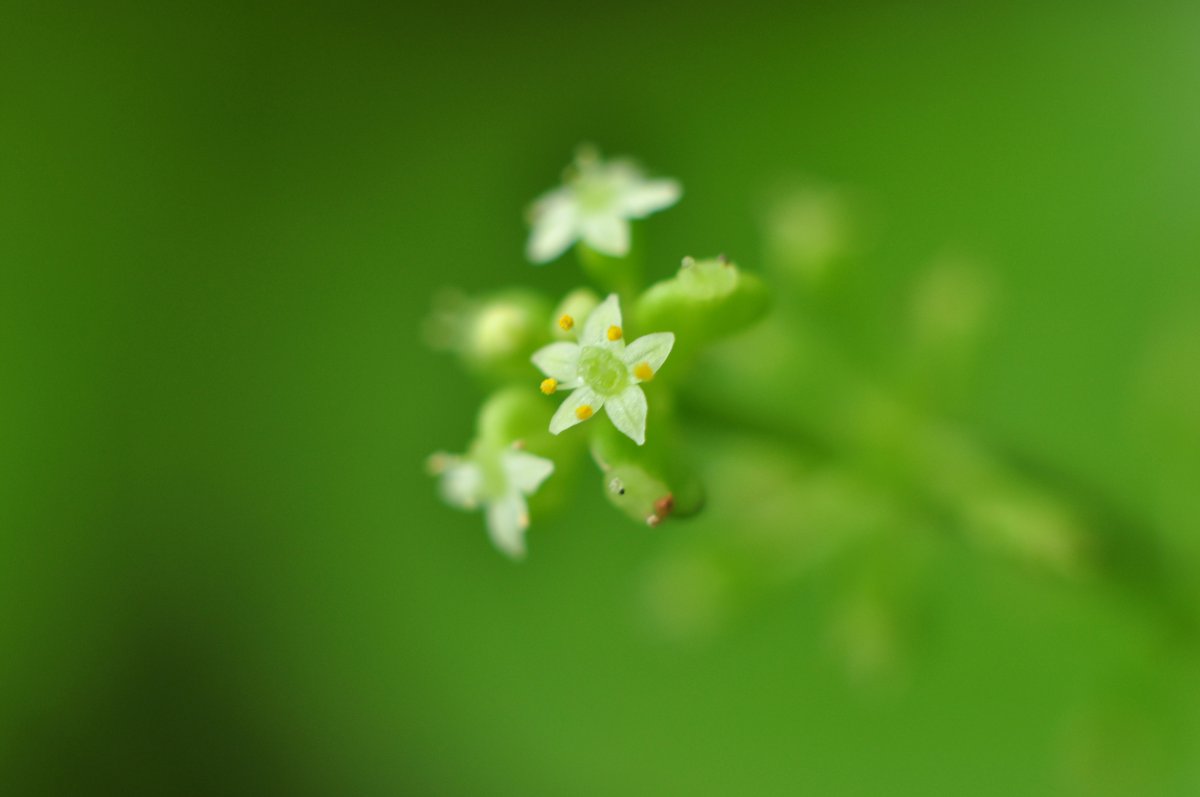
<point x="827" y="405"/>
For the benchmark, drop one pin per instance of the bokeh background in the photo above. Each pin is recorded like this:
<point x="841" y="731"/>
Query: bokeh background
<point x="223" y="569"/>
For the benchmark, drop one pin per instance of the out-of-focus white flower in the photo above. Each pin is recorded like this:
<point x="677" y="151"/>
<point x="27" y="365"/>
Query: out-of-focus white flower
<point x="601" y="371"/>
<point x="594" y="206"/>
<point x="497" y="479"/>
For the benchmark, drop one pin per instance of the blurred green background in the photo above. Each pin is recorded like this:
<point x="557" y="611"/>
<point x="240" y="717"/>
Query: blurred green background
<point x="222" y="566"/>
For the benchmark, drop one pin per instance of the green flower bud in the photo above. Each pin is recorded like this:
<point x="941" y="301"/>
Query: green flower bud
<point x="808" y="233"/>
<point x="639" y="482"/>
<point x="950" y="305"/>
<point x="513" y="413"/>
<point x="706" y="300"/>
<point x="638" y="493"/>
<point x="1030" y="525"/>
<point x="494" y="336"/>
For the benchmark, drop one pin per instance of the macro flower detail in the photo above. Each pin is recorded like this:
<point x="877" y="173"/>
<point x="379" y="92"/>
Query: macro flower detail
<point x="595" y="205"/>
<point x="602" y="371"/>
<point x="498" y="479"/>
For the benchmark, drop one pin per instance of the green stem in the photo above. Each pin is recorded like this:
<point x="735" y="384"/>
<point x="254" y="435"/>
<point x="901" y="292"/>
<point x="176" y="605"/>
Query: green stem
<point x="622" y="275"/>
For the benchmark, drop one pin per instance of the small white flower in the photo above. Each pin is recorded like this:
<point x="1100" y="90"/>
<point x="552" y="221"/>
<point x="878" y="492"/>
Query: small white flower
<point x="497" y="479"/>
<point x="603" y="372"/>
<point x="595" y="206"/>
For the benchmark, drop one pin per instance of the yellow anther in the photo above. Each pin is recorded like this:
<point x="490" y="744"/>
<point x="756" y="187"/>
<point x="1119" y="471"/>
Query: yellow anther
<point x="583" y="412"/>
<point x="644" y="372"/>
<point x="614" y="333"/>
<point x="549" y="386"/>
<point x="566" y="322"/>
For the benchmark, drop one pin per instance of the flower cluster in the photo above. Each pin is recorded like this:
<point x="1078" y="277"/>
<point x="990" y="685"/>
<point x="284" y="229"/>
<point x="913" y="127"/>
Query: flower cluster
<point x="583" y="349"/>
<point x="819" y="461"/>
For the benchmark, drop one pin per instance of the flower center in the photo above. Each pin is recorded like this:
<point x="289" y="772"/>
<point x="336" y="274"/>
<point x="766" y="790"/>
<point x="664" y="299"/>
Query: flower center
<point x="495" y="482"/>
<point x="595" y="195"/>
<point x="603" y="371"/>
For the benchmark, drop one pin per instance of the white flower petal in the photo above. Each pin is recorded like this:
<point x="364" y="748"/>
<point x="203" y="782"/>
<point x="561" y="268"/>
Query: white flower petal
<point x="525" y="472"/>
<point x="651" y="349"/>
<point x="462" y="484"/>
<point x="607" y="314"/>
<point x="559" y="360"/>
<point x="643" y="198"/>
<point x="507" y="519"/>
<point x="565" y="418"/>
<point x="555" y="226"/>
<point x="607" y="234"/>
<point x="628" y="413"/>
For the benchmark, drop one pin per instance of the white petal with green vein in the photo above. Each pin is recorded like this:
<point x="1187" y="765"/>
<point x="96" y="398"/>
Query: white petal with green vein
<point x="507" y="519"/>
<point x="628" y="413"/>
<point x="525" y="471"/>
<point x="560" y="361"/>
<point x="647" y="197"/>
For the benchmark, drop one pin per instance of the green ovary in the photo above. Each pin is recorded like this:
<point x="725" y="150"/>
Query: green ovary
<point x="603" y="371"/>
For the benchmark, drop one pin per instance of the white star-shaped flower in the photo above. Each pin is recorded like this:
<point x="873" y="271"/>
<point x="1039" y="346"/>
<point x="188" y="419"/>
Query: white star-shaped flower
<point x="601" y="371"/>
<point x="595" y="206"/>
<point x="497" y="479"/>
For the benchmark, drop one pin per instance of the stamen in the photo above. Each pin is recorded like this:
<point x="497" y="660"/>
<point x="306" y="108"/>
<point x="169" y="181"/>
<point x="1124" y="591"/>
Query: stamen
<point x="614" y="333"/>
<point x="549" y="386"/>
<point x="566" y="322"/>
<point x="688" y="262"/>
<point x="583" y="412"/>
<point x="644" y="372"/>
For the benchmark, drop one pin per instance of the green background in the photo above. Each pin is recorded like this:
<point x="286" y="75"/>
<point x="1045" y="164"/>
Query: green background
<point x="223" y="568"/>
